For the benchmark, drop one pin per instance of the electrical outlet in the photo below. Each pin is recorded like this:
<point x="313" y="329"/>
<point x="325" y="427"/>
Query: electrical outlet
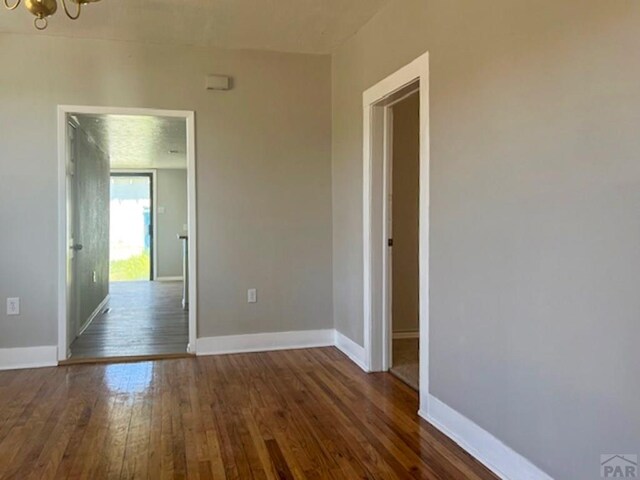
<point x="13" y="306"/>
<point x="252" y="295"/>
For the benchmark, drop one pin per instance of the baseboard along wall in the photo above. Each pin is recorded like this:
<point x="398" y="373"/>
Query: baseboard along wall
<point x="506" y="463"/>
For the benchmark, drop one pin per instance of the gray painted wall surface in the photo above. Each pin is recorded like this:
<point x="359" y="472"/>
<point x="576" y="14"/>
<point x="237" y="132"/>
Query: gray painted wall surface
<point x="172" y="197"/>
<point x="264" y="174"/>
<point x="92" y="228"/>
<point x="535" y="240"/>
<point x="406" y="195"/>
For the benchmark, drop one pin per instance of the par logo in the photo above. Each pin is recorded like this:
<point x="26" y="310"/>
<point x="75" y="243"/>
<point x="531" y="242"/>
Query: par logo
<point x="616" y="465"/>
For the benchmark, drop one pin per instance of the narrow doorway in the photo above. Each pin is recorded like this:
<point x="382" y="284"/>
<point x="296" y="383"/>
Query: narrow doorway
<point x="404" y="212"/>
<point x="128" y="227"/>
<point x="131" y="227"/>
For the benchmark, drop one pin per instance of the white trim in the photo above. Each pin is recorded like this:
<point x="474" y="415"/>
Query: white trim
<point x="506" y="463"/>
<point x="387" y="233"/>
<point x="154" y="207"/>
<point x="192" y="221"/>
<point x="28" y="357"/>
<point x="169" y="279"/>
<point x="376" y="100"/>
<point x="406" y="335"/>
<point x="265" y="342"/>
<point x="189" y="117"/>
<point x="94" y="314"/>
<point x="351" y="349"/>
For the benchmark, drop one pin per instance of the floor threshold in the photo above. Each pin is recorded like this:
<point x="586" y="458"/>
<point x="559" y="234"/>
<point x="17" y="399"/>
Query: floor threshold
<point x="124" y="359"/>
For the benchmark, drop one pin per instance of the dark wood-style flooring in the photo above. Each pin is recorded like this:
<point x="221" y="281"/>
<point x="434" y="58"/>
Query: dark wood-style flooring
<point x="300" y="414"/>
<point x="143" y="318"/>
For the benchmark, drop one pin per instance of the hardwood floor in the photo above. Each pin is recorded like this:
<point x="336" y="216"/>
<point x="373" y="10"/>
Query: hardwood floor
<point x="144" y="318"/>
<point x="300" y="414"/>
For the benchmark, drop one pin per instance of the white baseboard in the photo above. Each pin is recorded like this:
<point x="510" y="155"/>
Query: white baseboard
<point x="169" y="279"/>
<point x="351" y="349"/>
<point x="28" y="357"/>
<point x="94" y="314"/>
<point x="264" y="342"/>
<point x="405" y="335"/>
<point x="482" y="445"/>
<point x="487" y="449"/>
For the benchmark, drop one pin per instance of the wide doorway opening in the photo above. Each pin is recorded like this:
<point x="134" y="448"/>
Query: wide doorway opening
<point x="128" y="226"/>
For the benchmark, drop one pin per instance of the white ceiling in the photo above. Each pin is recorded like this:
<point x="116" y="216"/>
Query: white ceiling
<point x="137" y="141"/>
<point x="307" y="26"/>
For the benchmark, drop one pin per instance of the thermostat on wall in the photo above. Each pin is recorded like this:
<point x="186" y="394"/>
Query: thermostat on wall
<point x="218" y="82"/>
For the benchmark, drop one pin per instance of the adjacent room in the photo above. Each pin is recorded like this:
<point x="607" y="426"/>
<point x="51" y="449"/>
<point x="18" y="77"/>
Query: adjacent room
<point x="127" y="226"/>
<point x="319" y="239"/>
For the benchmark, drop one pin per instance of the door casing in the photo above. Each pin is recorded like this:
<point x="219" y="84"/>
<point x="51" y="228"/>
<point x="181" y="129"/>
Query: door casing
<point x="377" y="160"/>
<point x="64" y="111"/>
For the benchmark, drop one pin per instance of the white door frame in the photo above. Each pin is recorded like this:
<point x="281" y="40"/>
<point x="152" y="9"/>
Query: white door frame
<point x="189" y="116"/>
<point x="377" y="101"/>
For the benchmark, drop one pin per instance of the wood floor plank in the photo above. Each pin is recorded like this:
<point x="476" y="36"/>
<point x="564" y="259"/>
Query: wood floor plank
<point x="300" y="414"/>
<point x="282" y="468"/>
<point x="140" y="318"/>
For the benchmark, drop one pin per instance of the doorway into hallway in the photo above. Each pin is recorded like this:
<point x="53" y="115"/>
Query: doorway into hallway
<point x="129" y="221"/>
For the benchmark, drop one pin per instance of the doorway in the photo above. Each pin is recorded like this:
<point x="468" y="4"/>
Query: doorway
<point x="127" y="221"/>
<point x="378" y="237"/>
<point x="131" y="227"/>
<point x="403" y="247"/>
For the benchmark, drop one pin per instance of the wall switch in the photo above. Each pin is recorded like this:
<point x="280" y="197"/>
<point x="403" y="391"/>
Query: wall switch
<point x="13" y="306"/>
<point x="161" y="210"/>
<point x="94" y="277"/>
<point x="252" y="295"/>
<point x="185" y="227"/>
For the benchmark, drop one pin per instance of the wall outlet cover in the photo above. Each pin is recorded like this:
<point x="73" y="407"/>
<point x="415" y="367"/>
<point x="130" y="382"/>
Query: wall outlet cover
<point x="252" y="295"/>
<point x="13" y="306"/>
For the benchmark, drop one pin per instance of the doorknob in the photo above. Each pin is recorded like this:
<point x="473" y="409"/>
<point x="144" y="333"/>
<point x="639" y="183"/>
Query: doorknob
<point x="76" y="247"/>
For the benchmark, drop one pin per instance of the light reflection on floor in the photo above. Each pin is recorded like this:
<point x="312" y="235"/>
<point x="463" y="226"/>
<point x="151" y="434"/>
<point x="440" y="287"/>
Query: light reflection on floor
<point x="129" y="377"/>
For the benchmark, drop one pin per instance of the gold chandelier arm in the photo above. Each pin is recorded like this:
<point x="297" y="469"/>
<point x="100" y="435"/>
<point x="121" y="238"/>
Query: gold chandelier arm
<point x="11" y="7"/>
<point x="66" y="10"/>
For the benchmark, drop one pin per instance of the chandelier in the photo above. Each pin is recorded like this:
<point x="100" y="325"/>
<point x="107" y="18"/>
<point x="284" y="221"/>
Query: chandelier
<point x="42" y="9"/>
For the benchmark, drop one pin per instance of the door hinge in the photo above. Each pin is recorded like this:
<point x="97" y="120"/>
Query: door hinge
<point x="390" y="242"/>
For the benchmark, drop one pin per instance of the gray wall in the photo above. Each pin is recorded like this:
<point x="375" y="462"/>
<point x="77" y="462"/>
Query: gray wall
<point x="92" y="228"/>
<point x="406" y="196"/>
<point x="535" y="240"/>
<point x="172" y="197"/>
<point x="264" y="174"/>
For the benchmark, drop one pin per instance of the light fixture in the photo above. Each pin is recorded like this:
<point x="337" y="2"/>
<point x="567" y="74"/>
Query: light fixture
<point x="42" y="9"/>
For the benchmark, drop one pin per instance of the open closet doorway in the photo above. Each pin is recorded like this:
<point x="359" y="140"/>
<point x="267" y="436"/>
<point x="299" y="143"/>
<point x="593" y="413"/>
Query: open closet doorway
<point x="396" y="225"/>
<point x="404" y="209"/>
<point x="128" y="223"/>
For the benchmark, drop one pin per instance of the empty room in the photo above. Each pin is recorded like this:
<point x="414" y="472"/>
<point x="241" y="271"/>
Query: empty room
<point x="364" y="239"/>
